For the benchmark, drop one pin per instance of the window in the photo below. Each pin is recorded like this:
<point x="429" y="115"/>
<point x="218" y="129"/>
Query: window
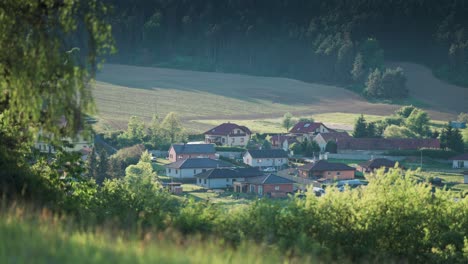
<point x="233" y="140"/>
<point x="233" y="180"/>
<point x="223" y="140"/>
<point x="329" y="173"/>
<point x="227" y="180"/>
<point x="176" y="171"/>
<point x="199" y="180"/>
<point x="204" y="181"/>
<point x="277" y="188"/>
<point x="242" y="140"/>
<point x="169" y="170"/>
<point x="338" y="173"/>
<point x="194" y="171"/>
<point x="280" y="160"/>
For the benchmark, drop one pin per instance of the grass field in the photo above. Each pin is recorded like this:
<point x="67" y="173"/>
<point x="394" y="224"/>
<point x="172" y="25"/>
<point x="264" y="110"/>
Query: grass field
<point x="202" y="98"/>
<point x="43" y="238"/>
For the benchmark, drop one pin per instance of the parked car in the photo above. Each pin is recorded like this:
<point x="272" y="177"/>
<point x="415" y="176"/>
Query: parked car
<point x="269" y="169"/>
<point x="318" y="191"/>
<point x="153" y="159"/>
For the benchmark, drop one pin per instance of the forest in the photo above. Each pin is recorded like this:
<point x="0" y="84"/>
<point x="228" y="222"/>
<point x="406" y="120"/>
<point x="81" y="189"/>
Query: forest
<point x="340" y="42"/>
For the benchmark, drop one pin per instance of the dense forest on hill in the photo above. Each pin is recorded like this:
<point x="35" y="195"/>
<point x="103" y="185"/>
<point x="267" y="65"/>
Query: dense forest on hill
<point x="333" y="41"/>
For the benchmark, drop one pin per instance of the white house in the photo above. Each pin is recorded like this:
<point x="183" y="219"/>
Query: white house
<point x="187" y="168"/>
<point x="224" y="178"/>
<point x="228" y="134"/>
<point x="264" y="158"/>
<point x="308" y="130"/>
<point x="323" y="138"/>
<point x="460" y="161"/>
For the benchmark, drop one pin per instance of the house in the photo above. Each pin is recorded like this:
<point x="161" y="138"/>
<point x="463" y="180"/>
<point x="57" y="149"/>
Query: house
<point x="387" y="143"/>
<point x="283" y="141"/>
<point x="228" y="134"/>
<point x="460" y="161"/>
<point x="268" y="185"/>
<point x="223" y="178"/>
<point x="375" y="164"/>
<point x="264" y="158"/>
<point x="307" y="130"/>
<point x="187" y="168"/>
<point x="323" y="138"/>
<point x="324" y="170"/>
<point x="187" y="151"/>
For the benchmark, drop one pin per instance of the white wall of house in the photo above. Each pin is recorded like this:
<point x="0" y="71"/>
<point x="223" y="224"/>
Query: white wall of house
<point x="264" y="162"/>
<point x="78" y="143"/>
<point x="320" y="141"/>
<point x="217" y="183"/>
<point x="459" y="164"/>
<point x="184" y="173"/>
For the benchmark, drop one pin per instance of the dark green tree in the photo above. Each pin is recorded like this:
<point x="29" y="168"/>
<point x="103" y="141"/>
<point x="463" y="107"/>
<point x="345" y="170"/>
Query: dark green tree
<point x="360" y="127"/>
<point x="331" y="147"/>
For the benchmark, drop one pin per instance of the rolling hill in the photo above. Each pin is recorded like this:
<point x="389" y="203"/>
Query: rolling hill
<point x="198" y="97"/>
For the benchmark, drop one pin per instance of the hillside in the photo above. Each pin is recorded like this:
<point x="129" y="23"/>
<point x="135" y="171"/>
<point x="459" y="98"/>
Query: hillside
<point x="123" y="91"/>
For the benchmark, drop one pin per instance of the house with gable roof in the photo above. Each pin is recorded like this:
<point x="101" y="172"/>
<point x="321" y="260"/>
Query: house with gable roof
<point x="225" y="177"/>
<point x="187" y="151"/>
<point x="228" y="134"/>
<point x="323" y="138"/>
<point x="187" y="168"/>
<point x="264" y="158"/>
<point x="267" y="185"/>
<point x="308" y="130"/>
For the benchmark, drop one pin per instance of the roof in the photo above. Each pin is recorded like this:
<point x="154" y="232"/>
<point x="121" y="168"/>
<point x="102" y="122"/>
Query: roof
<point x="267" y="153"/>
<point x="307" y="127"/>
<point x="281" y="138"/>
<point x="335" y="136"/>
<point x="378" y="163"/>
<point x="323" y="165"/>
<point x="269" y="179"/>
<point x="460" y="157"/>
<point x="230" y="173"/>
<point x="226" y="129"/>
<point x="194" y="148"/>
<point x="387" y="143"/>
<point x="199" y="163"/>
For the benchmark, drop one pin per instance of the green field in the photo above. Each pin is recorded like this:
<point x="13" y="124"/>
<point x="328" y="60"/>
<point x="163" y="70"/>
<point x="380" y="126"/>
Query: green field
<point x="204" y="99"/>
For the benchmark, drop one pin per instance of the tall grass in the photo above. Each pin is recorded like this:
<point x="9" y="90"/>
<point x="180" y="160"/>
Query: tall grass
<point x="41" y="237"/>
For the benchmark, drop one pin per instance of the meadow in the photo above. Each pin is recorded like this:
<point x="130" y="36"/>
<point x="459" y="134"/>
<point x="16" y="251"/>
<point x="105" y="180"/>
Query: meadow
<point x="202" y="99"/>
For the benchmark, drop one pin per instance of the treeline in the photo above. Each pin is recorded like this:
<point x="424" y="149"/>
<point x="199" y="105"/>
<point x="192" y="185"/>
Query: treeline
<point x="335" y="41"/>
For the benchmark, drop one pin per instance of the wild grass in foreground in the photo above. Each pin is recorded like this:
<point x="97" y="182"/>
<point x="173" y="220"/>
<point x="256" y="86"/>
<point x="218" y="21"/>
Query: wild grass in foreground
<point x="31" y="237"/>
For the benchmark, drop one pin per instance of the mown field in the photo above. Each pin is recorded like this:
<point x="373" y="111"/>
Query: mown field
<point x="202" y="99"/>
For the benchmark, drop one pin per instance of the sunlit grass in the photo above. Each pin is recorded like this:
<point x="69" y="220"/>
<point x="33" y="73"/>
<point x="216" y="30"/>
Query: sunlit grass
<point x="27" y="237"/>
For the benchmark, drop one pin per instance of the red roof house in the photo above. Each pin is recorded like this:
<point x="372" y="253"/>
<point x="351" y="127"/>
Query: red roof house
<point x="229" y="134"/>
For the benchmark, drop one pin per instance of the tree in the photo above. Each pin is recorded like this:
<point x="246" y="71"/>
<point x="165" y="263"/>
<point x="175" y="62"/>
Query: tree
<point x="405" y="111"/>
<point x="374" y="84"/>
<point x="331" y="147"/>
<point x="394" y="131"/>
<point x="172" y="128"/>
<point x="92" y="164"/>
<point x="155" y="133"/>
<point x="463" y="117"/>
<point x="49" y="53"/>
<point x="456" y="142"/>
<point x="418" y="122"/>
<point x="103" y="167"/>
<point x="358" y="70"/>
<point x="306" y="119"/>
<point x="141" y="175"/>
<point x="288" y="121"/>
<point x="371" y="130"/>
<point x="394" y="84"/>
<point x="135" y="130"/>
<point x="452" y="139"/>
<point x="360" y="127"/>
<point x="311" y="149"/>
